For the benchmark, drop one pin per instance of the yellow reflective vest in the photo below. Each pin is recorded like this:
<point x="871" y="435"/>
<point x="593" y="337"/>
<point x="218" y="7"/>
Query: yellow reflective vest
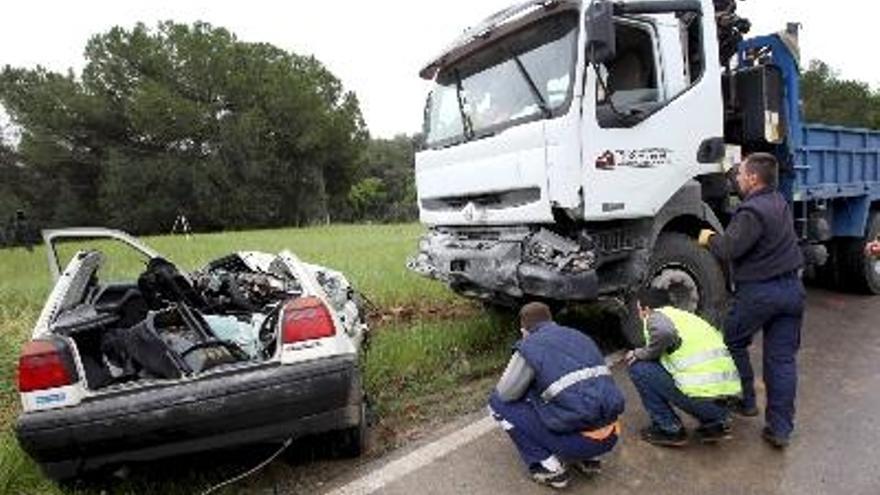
<point x="701" y="366"/>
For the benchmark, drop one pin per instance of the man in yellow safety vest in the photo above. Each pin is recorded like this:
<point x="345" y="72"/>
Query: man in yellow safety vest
<point x="685" y="364"/>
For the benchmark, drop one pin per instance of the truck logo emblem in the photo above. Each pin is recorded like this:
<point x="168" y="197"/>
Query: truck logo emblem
<point x="605" y="161"/>
<point x="635" y="158"/>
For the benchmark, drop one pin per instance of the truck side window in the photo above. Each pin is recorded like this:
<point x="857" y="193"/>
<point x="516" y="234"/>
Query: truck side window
<point x="630" y="90"/>
<point x="692" y="51"/>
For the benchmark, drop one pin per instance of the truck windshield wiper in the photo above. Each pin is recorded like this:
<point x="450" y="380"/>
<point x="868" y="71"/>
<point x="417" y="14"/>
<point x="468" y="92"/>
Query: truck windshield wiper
<point x="466" y="123"/>
<point x="539" y="99"/>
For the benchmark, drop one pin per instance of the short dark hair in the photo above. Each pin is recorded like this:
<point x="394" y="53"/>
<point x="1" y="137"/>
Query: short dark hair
<point x="764" y="165"/>
<point x="653" y="297"/>
<point x="534" y="313"/>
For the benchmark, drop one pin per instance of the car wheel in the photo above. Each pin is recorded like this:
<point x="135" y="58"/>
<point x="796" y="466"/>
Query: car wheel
<point x="352" y="442"/>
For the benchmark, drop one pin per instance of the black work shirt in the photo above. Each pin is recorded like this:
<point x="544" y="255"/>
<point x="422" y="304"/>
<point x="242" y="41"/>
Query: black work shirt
<point x="760" y="242"/>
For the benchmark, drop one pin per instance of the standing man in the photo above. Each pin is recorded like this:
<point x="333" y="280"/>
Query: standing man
<point x="762" y="250"/>
<point x="686" y="364"/>
<point x="556" y="399"/>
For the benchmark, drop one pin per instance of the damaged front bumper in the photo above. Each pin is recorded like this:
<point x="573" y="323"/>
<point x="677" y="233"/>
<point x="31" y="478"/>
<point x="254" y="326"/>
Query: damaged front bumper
<point x="511" y="262"/>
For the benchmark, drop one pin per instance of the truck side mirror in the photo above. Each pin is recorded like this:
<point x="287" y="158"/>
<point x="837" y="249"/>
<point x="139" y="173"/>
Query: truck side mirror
<point x="711" y="150"/>
<point x="426" y="122"/>
<point x="601" y="44"/>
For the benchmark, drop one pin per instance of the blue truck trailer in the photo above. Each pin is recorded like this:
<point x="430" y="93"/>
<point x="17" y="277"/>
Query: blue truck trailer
<point x="830" y="173"/>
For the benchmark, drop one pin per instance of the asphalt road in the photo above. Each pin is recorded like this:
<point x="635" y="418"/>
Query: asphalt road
<point x="836" y="449"/>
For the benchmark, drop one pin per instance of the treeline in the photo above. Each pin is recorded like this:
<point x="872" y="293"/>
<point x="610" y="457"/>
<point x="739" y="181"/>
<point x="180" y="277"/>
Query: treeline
<point x="189" y="120"/>
<point x="831" y="100"/>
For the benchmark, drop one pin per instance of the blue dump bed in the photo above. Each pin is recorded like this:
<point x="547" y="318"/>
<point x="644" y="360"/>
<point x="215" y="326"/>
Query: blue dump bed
<point x="836" y="162"/>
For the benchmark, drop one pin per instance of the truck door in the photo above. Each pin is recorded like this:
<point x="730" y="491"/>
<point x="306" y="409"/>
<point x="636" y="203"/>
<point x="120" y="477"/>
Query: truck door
<point x="646" y="112"/>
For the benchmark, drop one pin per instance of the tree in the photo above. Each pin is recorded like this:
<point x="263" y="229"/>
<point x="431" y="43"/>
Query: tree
<point x="187" y="118"/>
<point x="19" y="193"/>
<point x="830" y="100"/>
<point x="368" y="197"/>
<point x="10" y="197"/>
<point x="389" y="164"/>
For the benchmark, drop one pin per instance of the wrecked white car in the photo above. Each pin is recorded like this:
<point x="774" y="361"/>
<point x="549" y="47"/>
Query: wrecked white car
<point x="252" y="348"/>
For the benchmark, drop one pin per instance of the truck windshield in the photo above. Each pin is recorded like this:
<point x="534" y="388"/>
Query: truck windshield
<point x="525" y="76"/>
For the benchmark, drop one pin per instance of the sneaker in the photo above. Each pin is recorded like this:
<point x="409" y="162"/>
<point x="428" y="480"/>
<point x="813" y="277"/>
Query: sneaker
<point x="653" y="434"/>
<point x="543" y="476"/>
<point x="714" y="433"/>
<point x="738" y="406"/>
<point x="589" y="467"/>
<point x="773" y="439"/>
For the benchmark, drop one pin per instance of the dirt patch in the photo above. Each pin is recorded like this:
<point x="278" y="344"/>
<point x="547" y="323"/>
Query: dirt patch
<point x="427" y="311"/>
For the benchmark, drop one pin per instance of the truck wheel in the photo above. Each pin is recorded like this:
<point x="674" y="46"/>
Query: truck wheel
<point x="827" y="276"/>
<point x="858" y="271"/>
<point x="691" y="275"/>
<point x="631" y="324"/>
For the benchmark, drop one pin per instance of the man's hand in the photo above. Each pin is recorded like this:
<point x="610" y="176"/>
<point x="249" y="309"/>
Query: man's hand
<point x="629" y="358"/>
<point x="705" y="234"/>
<point x="873" y="248"/>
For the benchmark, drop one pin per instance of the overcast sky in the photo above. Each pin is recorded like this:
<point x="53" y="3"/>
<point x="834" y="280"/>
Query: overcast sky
<point x="376" y="47"/>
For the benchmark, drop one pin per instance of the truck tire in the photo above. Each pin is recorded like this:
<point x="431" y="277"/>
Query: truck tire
<point x="827" y="276"/>
<point x="859" y="272"/>
<point x="692" y="276"/>
<point x="631" y="326"/>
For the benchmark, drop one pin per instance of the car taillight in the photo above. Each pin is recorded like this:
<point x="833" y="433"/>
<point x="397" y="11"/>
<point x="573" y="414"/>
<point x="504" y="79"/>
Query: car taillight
<point x="44" y="364"/>
<point x="306" y="318"/>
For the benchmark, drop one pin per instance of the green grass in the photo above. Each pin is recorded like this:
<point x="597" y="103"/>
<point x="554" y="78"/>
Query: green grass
<point x="373" y="257"/>
<point x="427" y="357"/>
<point x="409" y="363"/>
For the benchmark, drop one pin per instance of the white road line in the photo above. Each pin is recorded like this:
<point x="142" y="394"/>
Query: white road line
<point x="423" y="456"/>
<point x="417" y="459"/>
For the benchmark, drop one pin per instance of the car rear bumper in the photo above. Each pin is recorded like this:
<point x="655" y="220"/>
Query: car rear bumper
<point x="265" y="403"/>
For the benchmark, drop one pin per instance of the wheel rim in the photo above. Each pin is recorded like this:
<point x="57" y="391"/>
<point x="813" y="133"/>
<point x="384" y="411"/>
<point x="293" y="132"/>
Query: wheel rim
<point x="682" y="286"/>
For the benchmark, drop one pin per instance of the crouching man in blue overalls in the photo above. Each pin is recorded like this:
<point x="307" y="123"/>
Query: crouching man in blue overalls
<point x="556" y="399"/>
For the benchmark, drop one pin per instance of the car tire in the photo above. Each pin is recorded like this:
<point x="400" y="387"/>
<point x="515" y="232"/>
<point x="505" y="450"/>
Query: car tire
<point x="858" y="271"/>
<point x="352" y="442"/>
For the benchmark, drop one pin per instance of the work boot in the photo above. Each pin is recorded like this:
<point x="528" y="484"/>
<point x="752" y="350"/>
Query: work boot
<point x="657" y="436"/>
<point x="738" y="406"/>
<point x="543" y="476"/>
<point x="714" y="433"/>
<point x="777" y="441"/>
<point x="589" y="467"/>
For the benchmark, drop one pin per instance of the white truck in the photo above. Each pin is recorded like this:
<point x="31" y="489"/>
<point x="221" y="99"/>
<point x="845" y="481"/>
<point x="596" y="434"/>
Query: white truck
<point x="574" y="150"/>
